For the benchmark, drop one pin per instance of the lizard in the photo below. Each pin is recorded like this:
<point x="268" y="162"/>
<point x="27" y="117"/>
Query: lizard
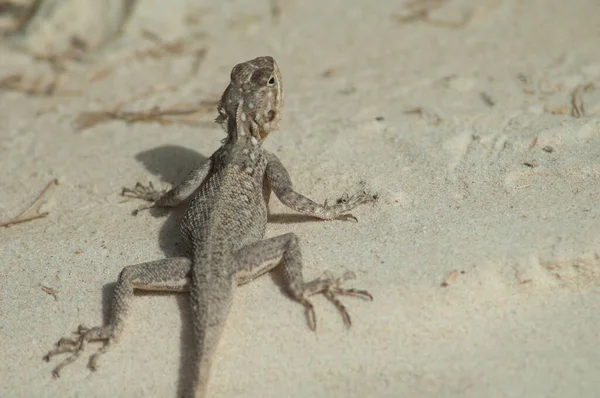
<point x="224" y="225"/>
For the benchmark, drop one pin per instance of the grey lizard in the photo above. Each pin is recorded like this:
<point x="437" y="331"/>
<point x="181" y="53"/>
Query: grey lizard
<point x="225" y="225"/>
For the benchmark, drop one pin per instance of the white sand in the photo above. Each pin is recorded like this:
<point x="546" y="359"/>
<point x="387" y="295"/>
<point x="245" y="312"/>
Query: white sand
<point x="521" y="318"/>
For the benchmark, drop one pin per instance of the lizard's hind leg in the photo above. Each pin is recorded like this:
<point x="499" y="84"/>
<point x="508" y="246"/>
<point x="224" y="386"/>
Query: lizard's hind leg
<point x="262" y="256"/>
<point x="171" y="274"/>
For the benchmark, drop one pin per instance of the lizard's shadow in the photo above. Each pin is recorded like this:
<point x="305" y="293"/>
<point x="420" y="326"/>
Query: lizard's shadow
<point x="290" y="218"/>
<point x="171" y="164"/>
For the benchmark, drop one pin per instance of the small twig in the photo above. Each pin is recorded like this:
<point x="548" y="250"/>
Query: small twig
<point x="154" y="114"/>
<point x="533" y="142"/>
<point x="43" y="85"/>
<point x="531" y="164"/>
<point x="523" y="186"/>
<point x="21" y="219"/>
<point x="451" y="277"/>
<point x="428" y="116"/>
<point x="420" y="11"/>
<point x="100" y="74"/>
<point x="26" y="215"/>
<point x="558" y="110"/>
<point x="577" y="102"/>
<point x="50" y="291"/>
<point x="576" y="107"/>
<point x="159" y="50"/>
<point x="577" y="99"/>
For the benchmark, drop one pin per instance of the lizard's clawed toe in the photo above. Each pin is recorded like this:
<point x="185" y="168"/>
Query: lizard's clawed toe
<point x="347" y="217"/>
<point x="144" y="192"/>
<point x="75" y="346"/>
<point x="339" y="211"/>
<point x="331" y="288"/>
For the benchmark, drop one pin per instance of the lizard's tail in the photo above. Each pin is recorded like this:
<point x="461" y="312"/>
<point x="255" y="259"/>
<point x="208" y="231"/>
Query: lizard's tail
<point x="211" y="296"/>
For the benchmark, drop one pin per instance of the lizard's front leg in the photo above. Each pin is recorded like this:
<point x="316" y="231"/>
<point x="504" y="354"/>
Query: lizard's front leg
<point x="176" y="195"/>
<point x="170" y="274"/>
<point x="260" y="257"/>
<point x="281" y="184"/>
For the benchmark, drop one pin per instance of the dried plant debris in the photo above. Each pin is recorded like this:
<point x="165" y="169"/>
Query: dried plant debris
<point x="558" y="110"/>
<point x="159" y="50"/>
<point x="53" y="82"/>
<point x="420" y="11"/>
<point x="576" y="108"/>
<point x="50" y="291"/>
<point x="427" y="115"/>
<point x="176" y="114"/>
<point x="577" y="99"/>
<point x="48" y="84"/>
<point x="533" y="163"/>
<point x="33" y="212"/>
<point x="451" y="277"/>
<point x="533" y="142"/>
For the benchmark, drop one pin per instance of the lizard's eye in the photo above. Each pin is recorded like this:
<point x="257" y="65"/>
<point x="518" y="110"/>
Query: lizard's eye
<point x="271" y="81"/>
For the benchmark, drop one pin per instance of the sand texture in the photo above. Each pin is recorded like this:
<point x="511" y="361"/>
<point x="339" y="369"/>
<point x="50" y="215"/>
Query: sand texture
<point x="477" y="122"/>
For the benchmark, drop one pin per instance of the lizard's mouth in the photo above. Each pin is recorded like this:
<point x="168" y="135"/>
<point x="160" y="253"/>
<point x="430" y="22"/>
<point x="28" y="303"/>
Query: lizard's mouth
<point x="271" y="123"/>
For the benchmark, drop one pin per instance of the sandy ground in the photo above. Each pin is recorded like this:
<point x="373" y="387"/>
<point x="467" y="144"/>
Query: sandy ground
<point x="462" y="121"/>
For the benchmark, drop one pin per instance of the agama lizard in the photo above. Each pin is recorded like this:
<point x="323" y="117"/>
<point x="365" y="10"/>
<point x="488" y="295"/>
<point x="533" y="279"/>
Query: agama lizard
<point x="225" y="225"/>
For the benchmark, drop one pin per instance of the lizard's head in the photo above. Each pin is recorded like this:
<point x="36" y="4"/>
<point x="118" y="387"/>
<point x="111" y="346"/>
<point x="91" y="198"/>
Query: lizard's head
<point x="253" y="102"/>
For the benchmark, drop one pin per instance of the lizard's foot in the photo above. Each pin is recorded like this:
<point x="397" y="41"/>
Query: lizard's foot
<point x="144" y="192"/>
<point x="76" y="346"/>
<point x="346" y="203"/>
<point x="331" y="288"/>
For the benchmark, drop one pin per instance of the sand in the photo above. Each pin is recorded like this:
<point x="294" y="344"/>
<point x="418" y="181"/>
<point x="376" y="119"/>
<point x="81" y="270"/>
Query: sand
<point x="462" y="121"/>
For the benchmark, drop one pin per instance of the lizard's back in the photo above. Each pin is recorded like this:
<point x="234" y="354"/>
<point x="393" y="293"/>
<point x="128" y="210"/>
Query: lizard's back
<point x="229" y="210"/>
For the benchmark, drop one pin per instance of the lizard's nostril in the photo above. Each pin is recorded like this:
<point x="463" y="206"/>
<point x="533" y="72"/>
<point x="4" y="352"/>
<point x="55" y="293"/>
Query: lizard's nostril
<point x="270" y="115"/>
